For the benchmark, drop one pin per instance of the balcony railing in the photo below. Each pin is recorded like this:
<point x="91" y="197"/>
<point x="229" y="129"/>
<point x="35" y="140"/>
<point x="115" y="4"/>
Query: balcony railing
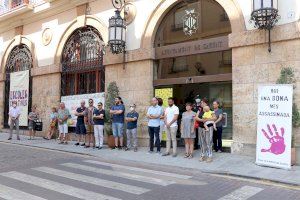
<point x="8" y="6"/>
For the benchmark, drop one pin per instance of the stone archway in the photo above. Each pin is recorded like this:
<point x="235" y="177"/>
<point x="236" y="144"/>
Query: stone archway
<point x="230" y="6"/>
<point x="16" y="41"/>
<point x="79" y="22"/>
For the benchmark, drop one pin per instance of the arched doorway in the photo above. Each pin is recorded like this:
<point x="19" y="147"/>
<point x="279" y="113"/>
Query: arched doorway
<point x="82" y="63"/>
<point x="19" y="59"/>
<point x="193" y="57"/>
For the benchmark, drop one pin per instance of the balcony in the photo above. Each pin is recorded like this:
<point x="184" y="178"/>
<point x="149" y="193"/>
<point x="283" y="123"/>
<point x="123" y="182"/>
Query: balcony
<point x="11" y="8"/>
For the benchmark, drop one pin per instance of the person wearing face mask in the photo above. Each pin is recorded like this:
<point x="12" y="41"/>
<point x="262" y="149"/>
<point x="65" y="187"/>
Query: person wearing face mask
<point x="14" y="115"/>
<point x="131" y="132"/>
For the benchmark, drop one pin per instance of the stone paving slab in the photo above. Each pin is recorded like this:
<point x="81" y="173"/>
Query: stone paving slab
<point x="223" y="163"/>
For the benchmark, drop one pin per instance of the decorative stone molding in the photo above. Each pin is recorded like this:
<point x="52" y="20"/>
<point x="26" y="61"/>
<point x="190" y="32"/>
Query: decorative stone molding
<point x="45" y="70"/>
<point x="130" y="56"/>
<point x="79" y="22"/>
<point x="17" y="40"/>
<point x="230" y="6"/>
<point x="47" y="36"/>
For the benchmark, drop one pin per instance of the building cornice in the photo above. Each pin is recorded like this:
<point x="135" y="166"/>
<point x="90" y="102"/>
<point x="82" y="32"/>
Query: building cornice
<point x="55" y="8"/>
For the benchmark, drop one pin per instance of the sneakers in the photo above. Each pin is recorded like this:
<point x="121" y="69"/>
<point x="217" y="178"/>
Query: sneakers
<point x="174" y="155"/>
<point x="150" y="152"/>
<point x="209" y="160"/>
<point x="165" y="154"/>
<point x="126" y="149"/>
<point x="77" y="144"/>
<point x="9" y="138"/>
<point x="83" y="145"/>
<point x="186" y="155"/>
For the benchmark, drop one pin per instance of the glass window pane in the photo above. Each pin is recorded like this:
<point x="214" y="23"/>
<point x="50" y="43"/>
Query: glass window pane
<point x="195" y="65"/>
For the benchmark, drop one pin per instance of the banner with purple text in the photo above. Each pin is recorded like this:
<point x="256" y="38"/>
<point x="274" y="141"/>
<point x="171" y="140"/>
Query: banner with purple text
<point x="274" y="126"/>
<point x="19" y="91"/>
<point x="73" y="102"/>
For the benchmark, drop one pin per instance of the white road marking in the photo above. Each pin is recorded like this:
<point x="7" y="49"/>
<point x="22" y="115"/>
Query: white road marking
<point x="242" y="193"/>
<point x="120" y="174"/>
<point x="57" y="187"/>
<point x="9" y="193"/>
<point x="139" y="169"/>
<point x="93" y="180"/>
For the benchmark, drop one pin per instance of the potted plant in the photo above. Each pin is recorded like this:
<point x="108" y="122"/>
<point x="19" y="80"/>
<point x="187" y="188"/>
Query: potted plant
<point x="287" y="77"/>
<point x="112" y="93"/>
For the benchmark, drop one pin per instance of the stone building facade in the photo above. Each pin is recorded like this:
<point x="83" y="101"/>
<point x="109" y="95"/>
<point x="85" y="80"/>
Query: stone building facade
<point x="250" y="63"/>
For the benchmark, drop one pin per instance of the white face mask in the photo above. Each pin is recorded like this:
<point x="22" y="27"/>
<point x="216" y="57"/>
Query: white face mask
<point x="14" y="105"/>
<point x="131" y="109"/>
<point x="198" y="100"/>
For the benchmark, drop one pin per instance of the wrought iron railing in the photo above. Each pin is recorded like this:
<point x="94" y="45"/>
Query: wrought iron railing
<point x="7" y="6"/>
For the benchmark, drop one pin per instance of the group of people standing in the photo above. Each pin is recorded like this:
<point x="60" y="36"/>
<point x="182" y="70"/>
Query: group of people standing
<point x="198" y="124"/>
<point x="198" y="121"/>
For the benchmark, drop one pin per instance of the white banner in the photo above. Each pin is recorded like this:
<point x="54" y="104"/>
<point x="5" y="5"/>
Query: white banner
<point x="19" y="91"/>
<point x="274" y="126"/>
<point x="73" y="102"/>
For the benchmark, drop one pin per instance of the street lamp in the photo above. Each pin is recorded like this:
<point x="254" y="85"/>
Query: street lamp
<point x="265" y="15"/>
<point x="117" y="29"/>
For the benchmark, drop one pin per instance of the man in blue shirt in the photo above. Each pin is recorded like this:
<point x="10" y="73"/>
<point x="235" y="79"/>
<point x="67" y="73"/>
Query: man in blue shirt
<point x="131" y="119"/>
<point x="154" y="114"/>
<point x="117" y="111"/>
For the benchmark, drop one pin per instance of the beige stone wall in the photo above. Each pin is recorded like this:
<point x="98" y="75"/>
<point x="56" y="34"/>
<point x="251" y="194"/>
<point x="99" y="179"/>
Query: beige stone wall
<point x="254" y="65"/>
<point x="135" y="83"/>
<point x="46" y="94"/>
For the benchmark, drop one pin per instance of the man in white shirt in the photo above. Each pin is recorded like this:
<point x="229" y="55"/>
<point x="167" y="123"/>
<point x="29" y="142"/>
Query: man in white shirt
<point x="171" y="116"/>
<point x="14" y="114"/>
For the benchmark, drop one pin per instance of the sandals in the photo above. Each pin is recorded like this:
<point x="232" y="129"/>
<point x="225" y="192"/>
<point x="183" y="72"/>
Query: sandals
<point x="186" y="155"/>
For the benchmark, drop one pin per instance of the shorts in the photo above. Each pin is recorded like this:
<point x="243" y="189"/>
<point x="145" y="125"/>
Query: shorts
<point x="30" y="125"/>
<point x="207" y="123"/>
<point x="80" y="129"/>
<point x="90" y="129"/>
<point x="118" y="129"/>
<point x="63" y="128"/>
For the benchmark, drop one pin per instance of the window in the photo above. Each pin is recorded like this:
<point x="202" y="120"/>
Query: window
<point x="82" y="63"/>
<point x="19" y="59"/>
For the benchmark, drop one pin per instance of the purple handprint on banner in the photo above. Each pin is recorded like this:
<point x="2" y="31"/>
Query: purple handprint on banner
<point x="276" y="140"/>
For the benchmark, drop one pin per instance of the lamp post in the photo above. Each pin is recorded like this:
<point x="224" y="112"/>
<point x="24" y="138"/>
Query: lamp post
<point x="117" y="29"/>
<point x="265" y="15"/>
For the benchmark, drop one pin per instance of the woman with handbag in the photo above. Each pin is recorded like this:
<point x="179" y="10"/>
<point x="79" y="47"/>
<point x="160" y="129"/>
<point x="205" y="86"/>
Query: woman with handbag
<point x="53" y="124"/>
<point x="32" y="117"/>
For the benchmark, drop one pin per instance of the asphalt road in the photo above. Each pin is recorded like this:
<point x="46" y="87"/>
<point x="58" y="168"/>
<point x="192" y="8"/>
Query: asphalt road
<point x="36" y="174"/>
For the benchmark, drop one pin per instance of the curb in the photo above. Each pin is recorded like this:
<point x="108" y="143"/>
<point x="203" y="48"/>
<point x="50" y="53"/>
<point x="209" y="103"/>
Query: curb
<point x="212" y="172"/>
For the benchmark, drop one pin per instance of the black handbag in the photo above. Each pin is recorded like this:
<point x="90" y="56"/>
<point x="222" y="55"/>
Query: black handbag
<point x="38" y="125"/>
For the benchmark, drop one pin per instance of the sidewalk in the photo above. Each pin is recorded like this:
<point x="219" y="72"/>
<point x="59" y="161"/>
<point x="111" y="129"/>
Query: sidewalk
<point x="223" y="163"/>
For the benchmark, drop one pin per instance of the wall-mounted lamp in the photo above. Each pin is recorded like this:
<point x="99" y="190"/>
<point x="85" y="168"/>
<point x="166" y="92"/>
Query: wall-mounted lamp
<point x="265" y="15"/>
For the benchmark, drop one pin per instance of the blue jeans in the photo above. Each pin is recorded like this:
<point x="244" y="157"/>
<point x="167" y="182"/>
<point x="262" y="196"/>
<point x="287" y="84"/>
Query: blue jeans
<point x="154" y="131"/>
<point x="117" y="129"/>
<point x="217" y="139"/>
